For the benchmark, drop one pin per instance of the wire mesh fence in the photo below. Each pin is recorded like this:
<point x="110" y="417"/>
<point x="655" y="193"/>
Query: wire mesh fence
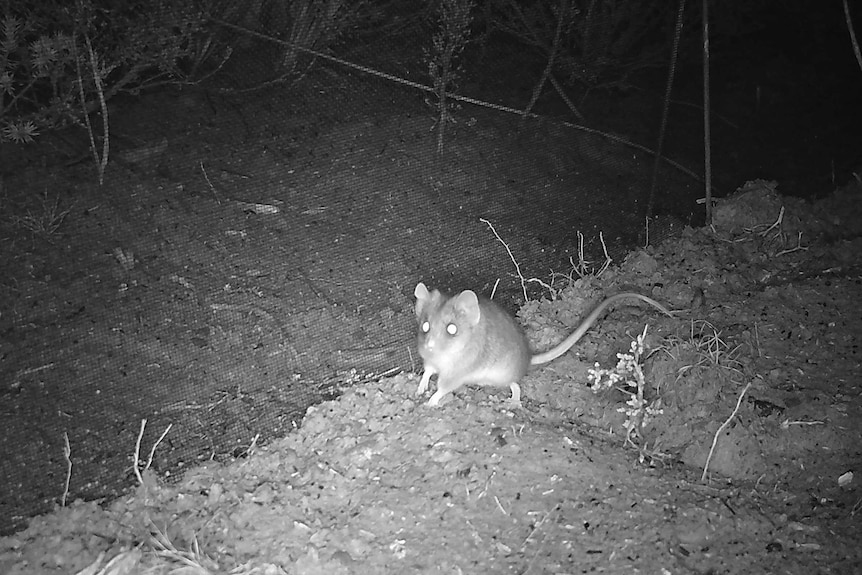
<point x="214" y="213"/>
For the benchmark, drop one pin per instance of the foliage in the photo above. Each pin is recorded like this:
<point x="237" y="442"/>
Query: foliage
<point x="448" y="42"/>
<point x="316" y="24"/>
<point x="45" y="220"/>
<point x="304" y="25"/>
<point x="603" y="41"/>
<point x="628" y="377"/>
<point x="59" y="60"/>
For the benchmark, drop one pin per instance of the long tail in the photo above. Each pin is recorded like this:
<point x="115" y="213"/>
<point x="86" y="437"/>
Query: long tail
<point x="567" y="343"/>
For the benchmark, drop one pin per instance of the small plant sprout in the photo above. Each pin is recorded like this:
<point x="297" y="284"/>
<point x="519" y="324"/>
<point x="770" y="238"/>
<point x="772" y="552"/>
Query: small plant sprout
<point x="44" y="221"/>
<point x="628" y="377"/>
<point x="19" y="132"/>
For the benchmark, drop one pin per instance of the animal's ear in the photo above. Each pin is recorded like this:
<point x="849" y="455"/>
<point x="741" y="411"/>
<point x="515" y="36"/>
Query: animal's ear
<point x="424" y="298"/>
<point x="468" y="304"/>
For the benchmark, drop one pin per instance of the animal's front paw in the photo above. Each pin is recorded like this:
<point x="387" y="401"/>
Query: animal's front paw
<point x="435" y="399"/>
<point x="514" y="402"/>
<point x="423" y="383"/>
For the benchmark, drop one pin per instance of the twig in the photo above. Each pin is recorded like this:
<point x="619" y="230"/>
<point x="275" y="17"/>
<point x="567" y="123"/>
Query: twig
<point x="787" y="423"/>
<point x="546" y="286"/>
<point x="583" y="266"/>
<point x="776" y="223"/>
<point x="138" y="452"/>
<point x="646" y="241"/>
<point x="799" y="247"/>
<point x="539" y="525"/>
<point x="720" y="429"/>
<point x="152" y="451"/>
<point x="608" y="258"/>
<point x="852" y="32"/>
<point x="67" y="454"/>
<point x="16" y="381"/>
<point x="249" y="451"/>
<point x="563" y="9"/>
<point x="565" y="98"/>
<point x="707" y="105"/>
<point x="500" y="506"/>
<point x="512" y="257"/>
<point x="97" y="80"/>
<point x="87" y="123"/>
<point x="485" y="487"/>
<point x="757" y="341"/>
<point x="662" y="130"/>
<point x="156" y="444"/>
<point x="30" y="370"/>
<point x="102" y="162"/>
<point x="207" y="178"/>
<point x="18" y="96"/>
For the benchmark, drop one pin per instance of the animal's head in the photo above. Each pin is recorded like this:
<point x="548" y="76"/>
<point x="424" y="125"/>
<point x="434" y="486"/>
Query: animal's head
<point x="445" y="323"/>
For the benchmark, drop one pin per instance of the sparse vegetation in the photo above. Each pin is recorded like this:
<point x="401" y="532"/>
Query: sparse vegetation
<point x="45" y="220"/>
<point x="601" y="42"/>
<point x="628" y="377"/>
<point x="59" y="63"/>
<point x="448" y="43"/>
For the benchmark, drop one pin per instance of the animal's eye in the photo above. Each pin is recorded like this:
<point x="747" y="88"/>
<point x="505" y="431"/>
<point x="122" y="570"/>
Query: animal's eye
<point x="451" y="329"/>
<point x="425" y="327"/>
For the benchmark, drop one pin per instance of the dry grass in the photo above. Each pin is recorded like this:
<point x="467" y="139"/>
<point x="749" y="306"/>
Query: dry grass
<point x="44" y="221"/>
